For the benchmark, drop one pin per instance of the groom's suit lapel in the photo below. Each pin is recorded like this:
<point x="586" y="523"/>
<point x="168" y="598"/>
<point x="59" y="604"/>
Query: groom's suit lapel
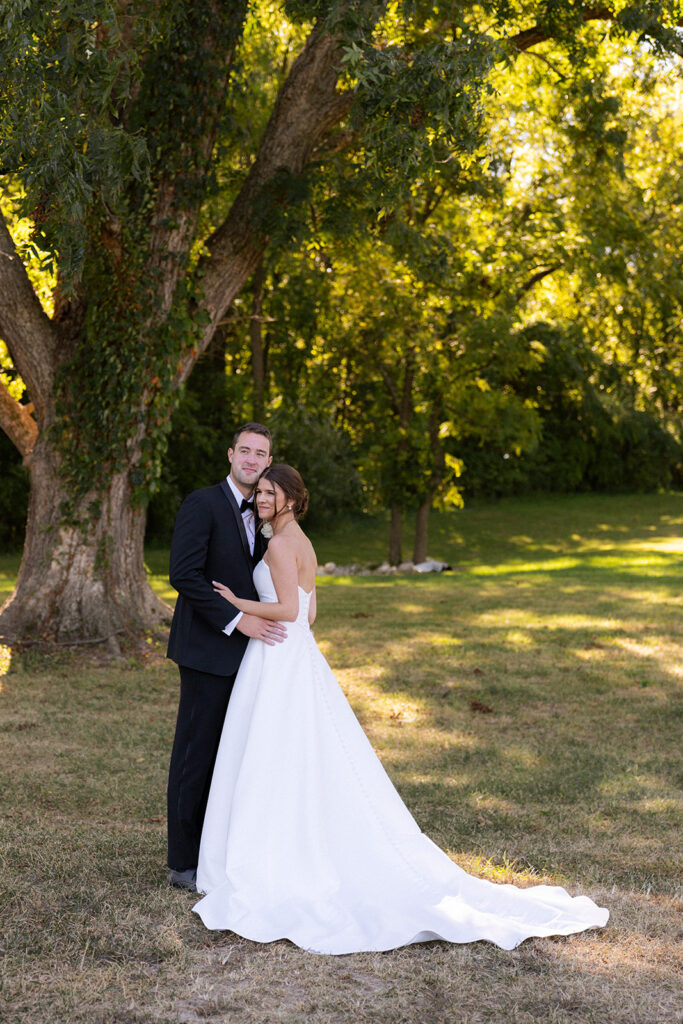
<point x="260" y="547"/>
<point x="238" y="518"/>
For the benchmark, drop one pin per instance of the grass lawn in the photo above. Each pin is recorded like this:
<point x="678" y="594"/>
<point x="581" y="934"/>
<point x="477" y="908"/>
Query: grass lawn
<point x="527" y="706"/>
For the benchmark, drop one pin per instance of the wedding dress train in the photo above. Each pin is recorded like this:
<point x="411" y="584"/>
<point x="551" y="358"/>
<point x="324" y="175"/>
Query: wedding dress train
<point x="305" y="837"/>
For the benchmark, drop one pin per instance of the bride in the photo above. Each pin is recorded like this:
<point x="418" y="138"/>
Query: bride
<point x="305" y="837"/>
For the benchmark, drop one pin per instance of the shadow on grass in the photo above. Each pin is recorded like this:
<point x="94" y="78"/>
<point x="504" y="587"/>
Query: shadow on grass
<point x="519" y="720"/>
<point x="569" y="777"/>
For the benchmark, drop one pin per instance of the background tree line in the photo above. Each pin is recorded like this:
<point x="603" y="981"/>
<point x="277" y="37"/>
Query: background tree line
<point x="512" y="327"/>
<point x="436" y="246"/>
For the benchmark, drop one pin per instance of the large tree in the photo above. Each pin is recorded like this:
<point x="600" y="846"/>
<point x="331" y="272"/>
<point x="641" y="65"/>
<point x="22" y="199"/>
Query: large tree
<point x="116" y="119"/>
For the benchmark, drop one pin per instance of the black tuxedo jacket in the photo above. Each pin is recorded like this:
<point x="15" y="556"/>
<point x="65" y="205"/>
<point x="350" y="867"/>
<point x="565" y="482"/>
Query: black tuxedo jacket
<point x="209" y="543"/>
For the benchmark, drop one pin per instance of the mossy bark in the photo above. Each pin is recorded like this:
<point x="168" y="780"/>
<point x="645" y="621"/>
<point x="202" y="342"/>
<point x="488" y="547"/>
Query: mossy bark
<point x="83" y="580"/>
<point x="82" y="576"/>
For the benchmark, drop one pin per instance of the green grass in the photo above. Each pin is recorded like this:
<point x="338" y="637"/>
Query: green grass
<point x="9" y="567"/>
<point x="527" y="705"/>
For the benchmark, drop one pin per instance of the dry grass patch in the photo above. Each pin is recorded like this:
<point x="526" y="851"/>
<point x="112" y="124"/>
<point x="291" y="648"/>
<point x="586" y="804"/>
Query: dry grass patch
<point x="527" y="707"/>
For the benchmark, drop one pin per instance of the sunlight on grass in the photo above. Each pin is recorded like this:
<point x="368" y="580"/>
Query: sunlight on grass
<point x="664" y="545"/>
<point x="617" y="560"/>
<point x="161" y="586"/>
<point x="517" y="566"/>
<point x="6" y="585"/>
<point x="639" y="564"/>
<point x="658" y="805"/>
<point x="410" y="609"/>
<point x="532" y="619"/>
<point x="592" y="654"/>
<point x="492" y="804"/>
<point x="372" y="702"/>
<point x="527" y="716"/>
<point x="641" y="597"/>
<point x="164" y="590"/>
<point x="506" y="872"/>
<point x="517" y="638"/>
<point x="667" y="654"/>
<point x="439" y="639"/>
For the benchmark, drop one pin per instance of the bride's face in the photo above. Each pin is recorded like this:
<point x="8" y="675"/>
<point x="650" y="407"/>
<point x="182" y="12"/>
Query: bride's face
<point x="268" y="497"/>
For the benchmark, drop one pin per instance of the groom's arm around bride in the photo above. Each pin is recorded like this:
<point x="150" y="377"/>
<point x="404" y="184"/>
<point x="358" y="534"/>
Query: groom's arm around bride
<point x="213" y="539"/>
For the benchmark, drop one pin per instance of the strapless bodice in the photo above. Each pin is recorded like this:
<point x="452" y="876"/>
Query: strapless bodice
<point x="263" y="581"/>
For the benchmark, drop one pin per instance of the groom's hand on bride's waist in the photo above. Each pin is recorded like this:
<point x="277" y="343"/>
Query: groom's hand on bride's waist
<point x="262" y="629"/>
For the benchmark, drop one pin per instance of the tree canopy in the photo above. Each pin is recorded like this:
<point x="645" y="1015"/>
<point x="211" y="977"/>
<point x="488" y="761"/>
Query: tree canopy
<point x="156" y="157"/>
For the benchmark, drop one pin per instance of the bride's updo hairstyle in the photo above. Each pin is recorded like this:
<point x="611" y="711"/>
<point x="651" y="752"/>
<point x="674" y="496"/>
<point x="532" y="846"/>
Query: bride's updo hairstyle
<point x="290" y="483"/>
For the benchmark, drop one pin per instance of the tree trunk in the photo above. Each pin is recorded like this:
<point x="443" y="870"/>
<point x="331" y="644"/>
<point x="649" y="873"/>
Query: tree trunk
<point x="256" y="332"/>
<point x="82" y="582"/>
<point x="395" y="536"/>
<point x="421" y="526"/>
<point x="86" y="582"/>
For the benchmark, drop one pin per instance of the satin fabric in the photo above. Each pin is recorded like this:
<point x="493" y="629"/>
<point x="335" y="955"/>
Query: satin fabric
<point x="306" y="838"/>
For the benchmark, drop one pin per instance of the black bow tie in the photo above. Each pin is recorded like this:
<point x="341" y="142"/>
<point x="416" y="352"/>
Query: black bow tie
<point x="247" y="505"/>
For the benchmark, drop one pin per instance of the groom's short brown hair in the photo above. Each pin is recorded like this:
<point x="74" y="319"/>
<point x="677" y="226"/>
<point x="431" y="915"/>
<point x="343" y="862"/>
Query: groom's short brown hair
<point x="253" y="428"/>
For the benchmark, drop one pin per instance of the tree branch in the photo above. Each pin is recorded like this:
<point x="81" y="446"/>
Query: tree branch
<point x="430" y="205"/>
<point x="534" y="279"/>
<point x="25" y="327"/>
<point x="529" y="37"/>
<point x="17" y="422"/>
<point x="337" y="142"/>
<point x="390" y="386"/>
<point x="539" y="56"/>
<point x="307" y="107"/>
<point x="407" y="393"/>
<point x="174" y="219"/>
<point x="532" y="36"/>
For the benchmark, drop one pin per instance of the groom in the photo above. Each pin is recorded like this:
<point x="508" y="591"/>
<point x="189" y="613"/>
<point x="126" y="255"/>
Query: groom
<point x="214" y="539"/>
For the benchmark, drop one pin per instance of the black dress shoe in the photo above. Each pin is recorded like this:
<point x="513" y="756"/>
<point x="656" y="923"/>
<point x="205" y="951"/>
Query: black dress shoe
<point x="183" y="879"/>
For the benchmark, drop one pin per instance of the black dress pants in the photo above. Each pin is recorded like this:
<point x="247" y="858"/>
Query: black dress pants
<point x="203" y="703"/>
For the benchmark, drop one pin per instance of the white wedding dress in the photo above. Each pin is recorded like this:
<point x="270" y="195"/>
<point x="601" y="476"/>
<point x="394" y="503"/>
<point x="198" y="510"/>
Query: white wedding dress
<point x="305" y="837"/>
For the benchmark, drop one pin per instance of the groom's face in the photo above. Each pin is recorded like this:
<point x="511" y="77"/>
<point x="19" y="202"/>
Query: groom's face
<point x="248" y="459"/>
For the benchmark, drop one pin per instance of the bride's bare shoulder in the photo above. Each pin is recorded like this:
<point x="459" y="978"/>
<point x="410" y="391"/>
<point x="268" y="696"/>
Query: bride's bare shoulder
<point x="281" y="547"/>
<point x="310" y="550"/>
<point x="291" y="544"/>
<point x="307" y="556"/>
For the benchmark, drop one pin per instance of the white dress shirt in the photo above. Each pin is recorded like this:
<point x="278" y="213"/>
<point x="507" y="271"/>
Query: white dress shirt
<point x="249" y="521"/>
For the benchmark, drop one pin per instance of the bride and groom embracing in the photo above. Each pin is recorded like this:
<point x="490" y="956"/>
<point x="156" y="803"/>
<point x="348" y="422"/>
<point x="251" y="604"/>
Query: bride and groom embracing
<point x="279" y="811"/>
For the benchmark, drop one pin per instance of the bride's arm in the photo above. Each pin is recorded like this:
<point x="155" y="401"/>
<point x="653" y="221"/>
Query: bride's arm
<point x="283" y="569"/>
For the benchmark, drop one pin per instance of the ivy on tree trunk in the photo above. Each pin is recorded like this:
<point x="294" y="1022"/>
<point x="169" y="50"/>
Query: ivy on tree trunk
<point x="103" y="373"/>
<point x="112" y="118"/>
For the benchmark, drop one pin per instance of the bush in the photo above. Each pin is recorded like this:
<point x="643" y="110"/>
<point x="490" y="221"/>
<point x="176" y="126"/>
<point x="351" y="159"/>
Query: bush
<point x="637" y="454"/>
<point x="324" y="457"/>
<point x="592" y="439"/>
<point x="201" y="433"/>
